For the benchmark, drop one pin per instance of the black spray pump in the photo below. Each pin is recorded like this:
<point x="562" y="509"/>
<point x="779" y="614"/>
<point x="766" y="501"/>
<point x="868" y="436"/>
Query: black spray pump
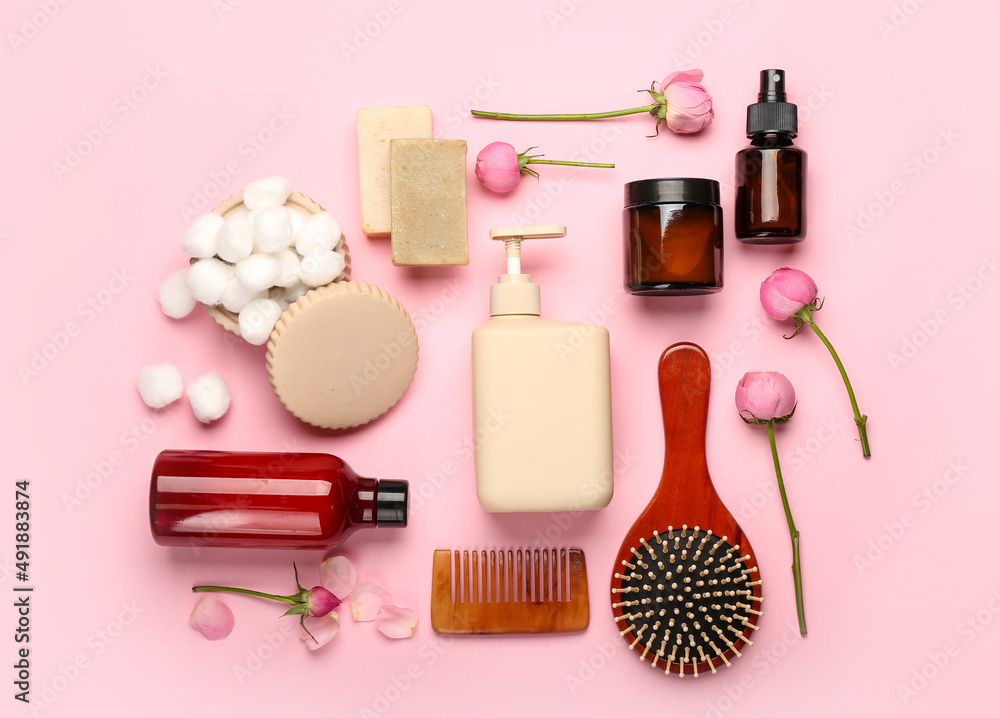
<point x="772" y="112"/>
<point x="770" y="172"/>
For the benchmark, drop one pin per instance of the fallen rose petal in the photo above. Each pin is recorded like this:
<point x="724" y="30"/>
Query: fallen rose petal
<point x="366" y="600"/>
<point x="212" y="618"/>
<point x="396" y="622"/>
<point x="323" y="628"/>
<point x="337" y="574"/>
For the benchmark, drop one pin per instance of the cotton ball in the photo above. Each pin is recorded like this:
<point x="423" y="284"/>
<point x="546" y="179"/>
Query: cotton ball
<point x="209" y="397"/>
<point x="268" y="192"/>
<point x="320" y="231"/>
<point x="258" y="272"/>
<point x="175" y="298"/>
<point x="288" y="268"/>
<point x="207" y="279"/>
<point x="272" y="228"/>
<point x="238" y="296"/>
<point x="159" y="385"/>
<point x="241" y="212"/>
<point x="296" y="290"/>
<point x="258" y="319"/>
<point x="199" y="240"/>
<point x="235" y="239"/>
<point x="320" y="267"/>
<point x="298" y="218"/>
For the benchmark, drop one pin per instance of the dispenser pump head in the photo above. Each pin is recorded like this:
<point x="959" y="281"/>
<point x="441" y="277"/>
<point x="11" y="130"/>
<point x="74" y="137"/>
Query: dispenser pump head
<point x="772" y="112"/>
<point x="514" y="293"/>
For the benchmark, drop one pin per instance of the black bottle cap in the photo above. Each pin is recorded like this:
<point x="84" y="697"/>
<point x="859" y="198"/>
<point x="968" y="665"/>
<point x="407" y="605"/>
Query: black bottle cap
<point x="391" y="501"/>
<point x="771" y="112"/>
<point x="672" y="189"/>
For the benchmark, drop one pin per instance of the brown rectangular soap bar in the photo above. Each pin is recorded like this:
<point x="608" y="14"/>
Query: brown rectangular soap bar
<point x="430" y="222"/>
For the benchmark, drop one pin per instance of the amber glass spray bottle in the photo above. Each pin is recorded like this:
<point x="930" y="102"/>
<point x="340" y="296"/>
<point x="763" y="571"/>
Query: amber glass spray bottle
<point x="770" y="171"/>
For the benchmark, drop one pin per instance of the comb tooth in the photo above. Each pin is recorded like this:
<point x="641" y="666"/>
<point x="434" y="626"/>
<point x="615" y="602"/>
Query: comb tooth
<point x="546" y="586"/>
<point x="465" y="577"/>
<point x="501" y="577"/>
<point x="475" y="577"/>
<point x="519" y="586"/>
<point x="495" y="593"/>
<point x="536" y="565"/>
<point x="485" y="582"/>
<point x="511" y="590"/>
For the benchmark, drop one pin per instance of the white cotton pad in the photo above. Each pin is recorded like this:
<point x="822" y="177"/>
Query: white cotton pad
<point x="258" y="272"/>
<point x="268" y="192"/>
<point x="298" y="219"/>
<point x="321" y="267"/>
<point x="288" y="268"/>
<point x="207" y="279"/>
<point x="159" y="385"/>
<point x="238" y="296"/>
<point x="175" y="297"/>
<point x="272" y="228"/>
<point x="209" y="397"/>
<point x="258" y="319"/>
<point x="320" y="231"/>
<point x="234" y="241"/>
<point x="199" y="240"/>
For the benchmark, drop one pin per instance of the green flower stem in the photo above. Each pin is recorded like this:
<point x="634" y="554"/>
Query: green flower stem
<point x="794" y="532"/>
<point x="860" y="419"/>
<point x="574" y="164"/>
<point x="294" y="599"/>
<point x="587" y="116"/>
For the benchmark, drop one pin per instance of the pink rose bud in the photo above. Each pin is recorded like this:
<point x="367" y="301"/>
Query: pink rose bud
<point x="787" y="291"/>
<point x="688" y="104"/>
<point x="498" y="167"/>
<point x="321" y="602"/>
<point x="763" y="396"/>
<point x="212" y="618"/>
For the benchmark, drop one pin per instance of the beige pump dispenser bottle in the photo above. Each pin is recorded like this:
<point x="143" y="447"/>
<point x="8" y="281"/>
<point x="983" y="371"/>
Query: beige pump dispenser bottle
<point x="541" y="399"/>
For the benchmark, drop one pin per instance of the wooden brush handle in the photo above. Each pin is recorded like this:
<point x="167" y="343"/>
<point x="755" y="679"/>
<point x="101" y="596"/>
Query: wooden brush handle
<point x="685" y="376"/>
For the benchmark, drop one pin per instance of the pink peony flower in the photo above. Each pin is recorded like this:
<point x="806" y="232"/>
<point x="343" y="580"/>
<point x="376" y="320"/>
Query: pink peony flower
<point x="766" y="398"/>
<point x="688" y="104"/>
<point x="320" y="602"/>
<point x="681" y="101"/>
<point x="790" y="293"/>
<point x="497" y="167"/>
<point x="763" y="396"/>
<point x="786" y="292"/>
<point x="212" y="618"/>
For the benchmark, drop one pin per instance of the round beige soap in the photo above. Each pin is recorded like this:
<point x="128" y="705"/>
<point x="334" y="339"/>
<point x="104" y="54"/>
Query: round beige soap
<point x="342" y="355"/>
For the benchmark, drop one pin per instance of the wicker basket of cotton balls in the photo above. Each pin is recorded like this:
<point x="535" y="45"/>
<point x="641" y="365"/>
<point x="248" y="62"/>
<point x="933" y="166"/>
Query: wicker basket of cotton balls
<point x="253" y="256"/>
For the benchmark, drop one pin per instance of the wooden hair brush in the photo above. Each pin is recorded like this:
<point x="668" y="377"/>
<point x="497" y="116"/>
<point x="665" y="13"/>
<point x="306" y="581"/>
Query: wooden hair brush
<point x="684" y="592"/>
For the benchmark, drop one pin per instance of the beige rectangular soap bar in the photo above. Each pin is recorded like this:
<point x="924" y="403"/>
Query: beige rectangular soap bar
<point x="430" y="221"/>
<point x="376" y="127"/>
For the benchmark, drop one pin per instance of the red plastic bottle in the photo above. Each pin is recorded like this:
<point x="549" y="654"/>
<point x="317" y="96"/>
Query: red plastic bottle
<point x="266" y="500"/>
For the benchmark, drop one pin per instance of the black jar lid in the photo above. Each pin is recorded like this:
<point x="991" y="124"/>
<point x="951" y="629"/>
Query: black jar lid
<point x="672" y="189"/>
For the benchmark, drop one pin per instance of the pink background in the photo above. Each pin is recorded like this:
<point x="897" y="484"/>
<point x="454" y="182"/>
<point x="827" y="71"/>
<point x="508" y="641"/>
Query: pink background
<point x="898" y="116"/>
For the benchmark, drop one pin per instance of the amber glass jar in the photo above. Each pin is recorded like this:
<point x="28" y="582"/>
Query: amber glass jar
<point x="673" y="236"/>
